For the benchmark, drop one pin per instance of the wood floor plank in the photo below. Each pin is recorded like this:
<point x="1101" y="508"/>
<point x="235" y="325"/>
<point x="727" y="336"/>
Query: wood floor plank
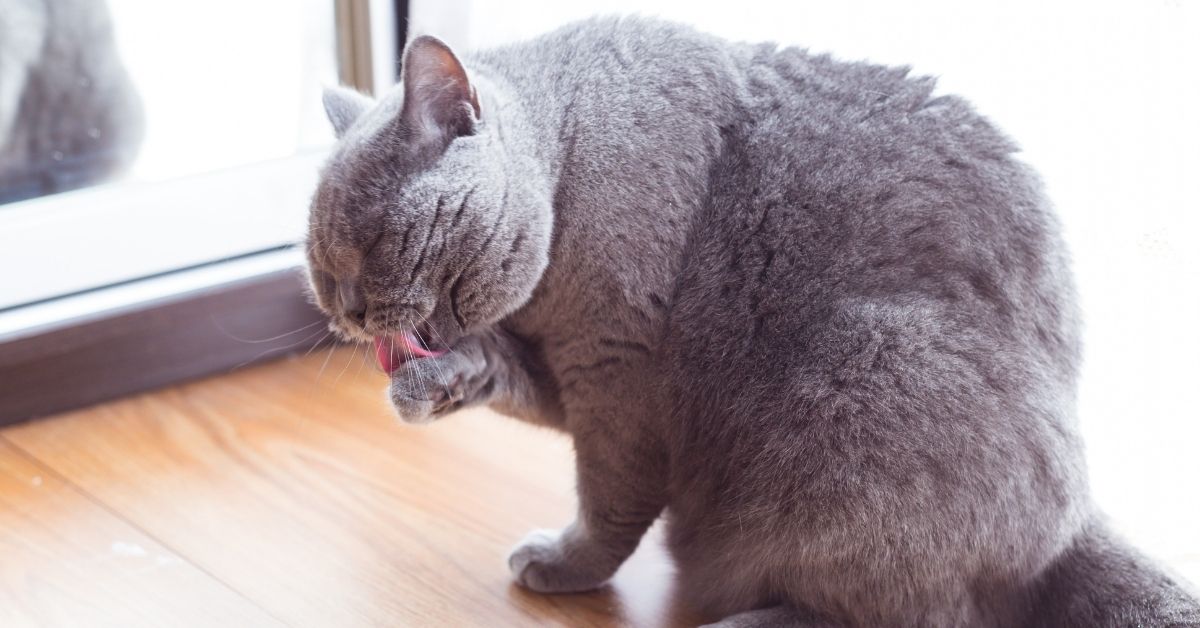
<point x="299" y="490"/>
<point x="66" y="561"/>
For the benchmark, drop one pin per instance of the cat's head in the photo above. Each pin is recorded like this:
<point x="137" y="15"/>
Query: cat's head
<point x="424" y="220"/>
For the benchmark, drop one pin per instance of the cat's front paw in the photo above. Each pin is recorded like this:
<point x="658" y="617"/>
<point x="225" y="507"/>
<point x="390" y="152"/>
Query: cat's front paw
<point x="425" y="389"/>
<point x="549" y="562"/>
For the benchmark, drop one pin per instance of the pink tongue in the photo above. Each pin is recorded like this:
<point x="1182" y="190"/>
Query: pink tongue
<point x="383" y="353"/>
<point x="392" y="351"/>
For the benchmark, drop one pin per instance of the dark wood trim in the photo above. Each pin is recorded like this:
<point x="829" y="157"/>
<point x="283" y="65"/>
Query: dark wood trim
<point x="400" y="8"/>
<point x="194" y="334"/>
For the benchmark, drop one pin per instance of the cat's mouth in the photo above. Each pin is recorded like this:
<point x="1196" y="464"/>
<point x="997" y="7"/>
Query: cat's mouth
<point x="393" y="350"/>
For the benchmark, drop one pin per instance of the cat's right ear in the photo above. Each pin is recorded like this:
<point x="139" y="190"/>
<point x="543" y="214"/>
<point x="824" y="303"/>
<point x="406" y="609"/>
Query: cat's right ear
<point x="440" y="103"/>
<point x="344" y="106"/>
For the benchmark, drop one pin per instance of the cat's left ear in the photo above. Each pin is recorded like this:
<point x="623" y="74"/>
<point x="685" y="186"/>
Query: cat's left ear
<point x="344" y="106"/>
<point x="440" y="103"/>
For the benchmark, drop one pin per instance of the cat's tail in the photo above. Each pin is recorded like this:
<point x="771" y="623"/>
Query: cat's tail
<point x="1102" y="582"/>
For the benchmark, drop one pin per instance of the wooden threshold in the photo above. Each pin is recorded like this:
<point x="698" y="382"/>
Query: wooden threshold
<point x="139" y="346"/>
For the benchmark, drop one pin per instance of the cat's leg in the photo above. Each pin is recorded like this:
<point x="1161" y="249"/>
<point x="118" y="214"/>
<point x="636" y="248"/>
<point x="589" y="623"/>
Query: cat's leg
<point x="516" y="382"/>
<point x="621" y="470"/>
<point x="774" y="617"/>
<point x="620" y="462"/>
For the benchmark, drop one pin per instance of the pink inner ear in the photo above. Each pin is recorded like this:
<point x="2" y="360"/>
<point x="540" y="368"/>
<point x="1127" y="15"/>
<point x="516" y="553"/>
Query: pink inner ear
<point x="435" y="89"/>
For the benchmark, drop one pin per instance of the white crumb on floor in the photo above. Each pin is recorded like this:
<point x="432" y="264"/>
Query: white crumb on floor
<point x="121" y="548"/>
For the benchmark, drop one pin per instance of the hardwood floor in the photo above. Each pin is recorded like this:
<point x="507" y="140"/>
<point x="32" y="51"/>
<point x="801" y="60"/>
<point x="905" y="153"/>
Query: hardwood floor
<point x="284" y="495"/>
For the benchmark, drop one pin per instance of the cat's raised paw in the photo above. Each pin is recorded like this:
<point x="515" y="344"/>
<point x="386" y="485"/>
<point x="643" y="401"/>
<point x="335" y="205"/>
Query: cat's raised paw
<point x="543" y="562"/>
<point x="422" y="390"/>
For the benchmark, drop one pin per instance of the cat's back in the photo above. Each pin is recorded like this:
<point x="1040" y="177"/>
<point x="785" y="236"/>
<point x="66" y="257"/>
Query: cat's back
<point x="800" y="189"/>
<point x="851" y="185"/>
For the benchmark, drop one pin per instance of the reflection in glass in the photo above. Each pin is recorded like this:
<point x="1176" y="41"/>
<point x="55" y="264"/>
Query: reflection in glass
<point x="69" y="114"/>
<point x="155" y="91"/>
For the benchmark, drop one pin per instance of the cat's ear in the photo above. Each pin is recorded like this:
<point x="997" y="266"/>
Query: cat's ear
<point x="344" y="106"/>
<point x="440" y="103"/>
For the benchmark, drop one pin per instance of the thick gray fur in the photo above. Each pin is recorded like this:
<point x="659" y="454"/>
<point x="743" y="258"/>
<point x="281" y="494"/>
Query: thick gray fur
<point x="69" y="115"/>
<point x="816" y="317"/>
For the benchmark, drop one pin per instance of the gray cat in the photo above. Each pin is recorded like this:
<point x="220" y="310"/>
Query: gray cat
<point x="69" y="115"/>
<point x="817" y="318"/>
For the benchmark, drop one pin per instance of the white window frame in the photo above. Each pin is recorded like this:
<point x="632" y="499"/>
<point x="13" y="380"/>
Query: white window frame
<point x="86" y="239"/>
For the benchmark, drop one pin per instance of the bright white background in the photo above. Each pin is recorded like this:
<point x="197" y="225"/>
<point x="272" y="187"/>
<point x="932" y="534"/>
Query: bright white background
<point x="1103" y="96"/>
<point x="226" y="82"/>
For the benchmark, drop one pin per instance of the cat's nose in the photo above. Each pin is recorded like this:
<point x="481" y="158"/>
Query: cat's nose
<point x="354" y="304"/>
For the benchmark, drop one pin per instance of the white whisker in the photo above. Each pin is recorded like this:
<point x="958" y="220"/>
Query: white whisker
<point x="353" y="353"/>
<point x="409" y="357"/>
<point x="326" y="362"/>
<point x="365" y="358"/>
<point x="265" y="353"/>
<point x="441" y="372"/>
<point x="316" y="344"/>
<point x="271" y="339"/>
<point x="440" y="340"/>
